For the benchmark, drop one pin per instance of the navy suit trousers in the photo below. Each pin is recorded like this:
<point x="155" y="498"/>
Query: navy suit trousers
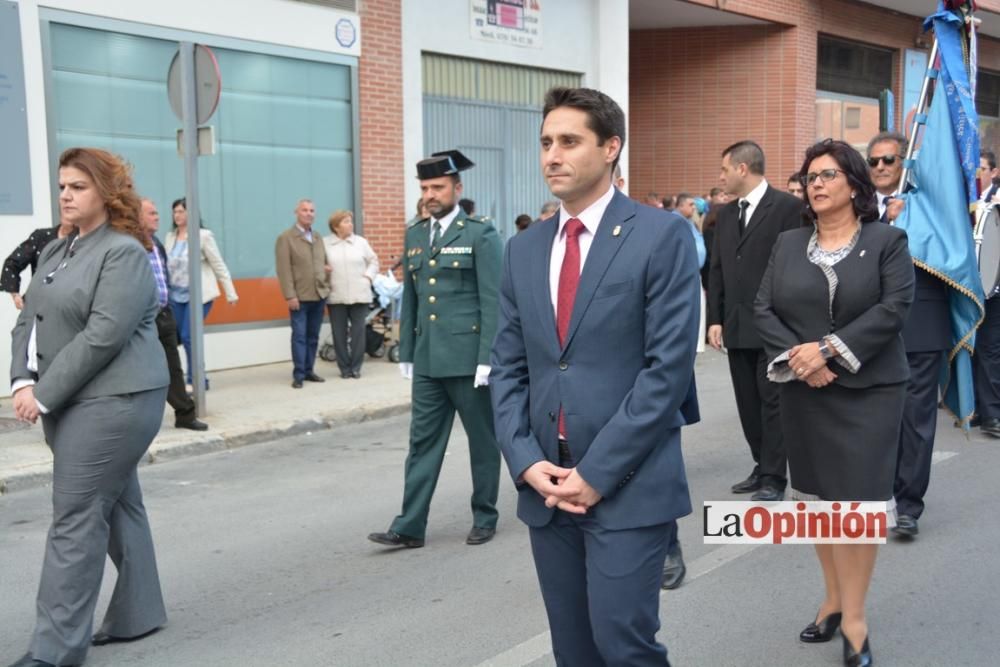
<point x="602" y="590"/>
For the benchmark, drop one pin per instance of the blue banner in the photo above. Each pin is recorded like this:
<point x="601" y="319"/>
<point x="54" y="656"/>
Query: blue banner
<point x="936" y="216"/>
<point x="954" y="81"/>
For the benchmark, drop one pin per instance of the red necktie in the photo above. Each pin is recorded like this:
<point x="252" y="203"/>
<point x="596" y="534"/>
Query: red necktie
<point x="569" y="279"/>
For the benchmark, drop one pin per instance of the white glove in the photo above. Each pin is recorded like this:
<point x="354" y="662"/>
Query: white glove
<point x="482" y="376"/>
<point x="406" y="370"/>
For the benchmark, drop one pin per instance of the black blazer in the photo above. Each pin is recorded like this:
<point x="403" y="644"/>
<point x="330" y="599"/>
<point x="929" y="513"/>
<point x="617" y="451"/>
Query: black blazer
<point x="928" y="326"/>
<point x="25" y="255"/>
<point x="738" y="263"/>
<point x="874" y="293"/>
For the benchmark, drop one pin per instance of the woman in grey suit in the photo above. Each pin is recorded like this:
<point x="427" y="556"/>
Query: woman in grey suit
<point x="830" y="311"/>
<point x="87" y="360"/>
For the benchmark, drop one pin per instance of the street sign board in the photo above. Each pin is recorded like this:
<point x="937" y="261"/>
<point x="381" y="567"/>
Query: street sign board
<point x="208" y="84"/>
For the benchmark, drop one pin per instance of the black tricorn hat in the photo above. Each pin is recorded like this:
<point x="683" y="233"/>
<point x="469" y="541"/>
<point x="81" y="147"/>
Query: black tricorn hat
<point x="443" y="163"/>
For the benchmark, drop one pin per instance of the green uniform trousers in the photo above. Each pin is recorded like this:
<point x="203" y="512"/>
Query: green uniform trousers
<point x="435" y="401"/>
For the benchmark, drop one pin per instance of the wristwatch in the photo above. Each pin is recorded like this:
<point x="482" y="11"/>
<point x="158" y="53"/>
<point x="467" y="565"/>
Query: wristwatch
<point x="825" y="350"/>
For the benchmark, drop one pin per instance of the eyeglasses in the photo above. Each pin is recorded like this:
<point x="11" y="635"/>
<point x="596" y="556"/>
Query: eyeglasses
<point x="889" y="160"/>
<point x="826" y="176"/>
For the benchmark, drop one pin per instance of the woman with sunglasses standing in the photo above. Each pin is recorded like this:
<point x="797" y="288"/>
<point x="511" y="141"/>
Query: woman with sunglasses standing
<point x="830" y="310"/>
<point x="86" y="358"/>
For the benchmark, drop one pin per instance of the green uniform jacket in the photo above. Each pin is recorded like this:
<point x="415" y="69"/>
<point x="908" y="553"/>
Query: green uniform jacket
<point x="449" y="311"/>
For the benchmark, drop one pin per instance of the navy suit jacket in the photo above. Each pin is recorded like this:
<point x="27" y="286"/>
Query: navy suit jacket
<point x="624" y="378"/>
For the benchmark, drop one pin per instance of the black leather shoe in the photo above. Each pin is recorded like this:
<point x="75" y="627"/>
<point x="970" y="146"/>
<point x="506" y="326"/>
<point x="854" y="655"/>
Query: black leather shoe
<point x="768" y="494"/>
<point x="673" y="570"/>
<point x="480" y="535"/>
<point x="356" y="375"/>
<point x="862" y="659"/>
<point x="345" y="375"/>
<point x="393" y="539"/>
<point x="749" y="485"/>
<point x="823" y="631"/>
<point x="27" y="661"/>
<point x="991" y="427"/>
<point x="312" y="377"/>
<point x="296" y="384"/>
<point x="906" y="526"/>
<point x="194" y="425"/>
<point x="976" y="421"/>
<point x="103" y="638"/>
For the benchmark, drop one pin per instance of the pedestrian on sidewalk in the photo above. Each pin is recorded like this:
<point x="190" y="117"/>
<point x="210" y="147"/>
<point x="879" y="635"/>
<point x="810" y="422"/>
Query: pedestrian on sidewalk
<point x="354" y="267"/>
<point x="304" y="279"/>
<point x="26" y="255"/>
<point x="213" y="271"/>
<point x="87" y="360"/>
<point x="452" y="265"/>
<point x="185" y="414"/>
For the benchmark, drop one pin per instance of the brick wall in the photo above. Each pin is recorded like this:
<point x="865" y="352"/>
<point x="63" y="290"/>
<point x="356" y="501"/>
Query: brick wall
<point x="381" y="113"/>
<point x="694" y="91"/>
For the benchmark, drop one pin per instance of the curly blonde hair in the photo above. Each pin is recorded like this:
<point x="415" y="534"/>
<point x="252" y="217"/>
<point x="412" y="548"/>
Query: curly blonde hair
<point x="112" y="177"/>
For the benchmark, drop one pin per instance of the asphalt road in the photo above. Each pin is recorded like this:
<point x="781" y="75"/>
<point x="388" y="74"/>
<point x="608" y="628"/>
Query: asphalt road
<point x="264" y="561"/>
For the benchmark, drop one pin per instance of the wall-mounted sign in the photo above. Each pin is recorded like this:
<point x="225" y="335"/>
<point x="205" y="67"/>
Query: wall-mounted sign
<point x="15" y="161"/>
<point x="346" y="32"/>
<point x="513" y="22"/>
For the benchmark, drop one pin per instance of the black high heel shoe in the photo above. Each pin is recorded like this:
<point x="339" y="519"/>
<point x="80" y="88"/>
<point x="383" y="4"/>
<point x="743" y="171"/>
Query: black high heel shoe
<point x="852" y="659"/>
<point x="822" y="631"/>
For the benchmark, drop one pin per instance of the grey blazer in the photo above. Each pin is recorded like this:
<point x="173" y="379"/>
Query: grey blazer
<point x="95" y="310"/>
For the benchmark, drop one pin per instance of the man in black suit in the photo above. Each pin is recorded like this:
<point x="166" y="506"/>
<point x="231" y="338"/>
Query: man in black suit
<point x="986" y="362"/>
<point x="166" y="326"/>
<point x="926" y="336"/>
<point x="746" y="230"/>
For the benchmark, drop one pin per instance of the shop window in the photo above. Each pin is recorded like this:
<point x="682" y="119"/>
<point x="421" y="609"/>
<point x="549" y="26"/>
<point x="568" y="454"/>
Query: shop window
<point x="284" y="131"/>
<point x="851" y="68"/>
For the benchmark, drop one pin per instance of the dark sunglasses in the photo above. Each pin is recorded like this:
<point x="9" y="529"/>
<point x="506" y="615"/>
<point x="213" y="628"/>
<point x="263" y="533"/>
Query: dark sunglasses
<point x="889" y="160"/>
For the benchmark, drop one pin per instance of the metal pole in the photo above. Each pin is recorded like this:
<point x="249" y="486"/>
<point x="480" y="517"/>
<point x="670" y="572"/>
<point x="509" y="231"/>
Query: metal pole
<point x="921" y="108"/>
<point x="189" y="94"/>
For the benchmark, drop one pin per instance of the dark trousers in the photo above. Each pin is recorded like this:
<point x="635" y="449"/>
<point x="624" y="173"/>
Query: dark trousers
<point x="182" y="315"/>
<point x="987" y="362"/>
<point x="435" y="401"/>
<point x="758" y="406"/>
<point x="177" y="396"/>
<point x="348" y="320"/>
<point x="306" y="322"/>
<point x="916" y="433"/>
<point x="601" y="590"/>
<point x="97" y="511"/>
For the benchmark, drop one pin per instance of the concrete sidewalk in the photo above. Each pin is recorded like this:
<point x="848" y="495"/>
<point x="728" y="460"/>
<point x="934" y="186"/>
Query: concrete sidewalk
<point x="244" y="406"/>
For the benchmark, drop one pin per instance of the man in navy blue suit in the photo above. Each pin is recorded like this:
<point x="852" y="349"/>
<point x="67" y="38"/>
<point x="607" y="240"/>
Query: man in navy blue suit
<point x="592" y="380"/>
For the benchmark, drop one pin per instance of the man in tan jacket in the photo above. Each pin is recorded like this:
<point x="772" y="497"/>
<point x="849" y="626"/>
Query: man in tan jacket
<point x="303" y="276"/>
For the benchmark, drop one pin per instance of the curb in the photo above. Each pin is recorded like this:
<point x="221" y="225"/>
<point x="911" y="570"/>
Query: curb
<point x="41" y="475"/>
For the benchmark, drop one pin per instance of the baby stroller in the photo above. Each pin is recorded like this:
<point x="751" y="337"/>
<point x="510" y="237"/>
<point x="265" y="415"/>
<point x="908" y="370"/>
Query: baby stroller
<point x="381" y="337"/>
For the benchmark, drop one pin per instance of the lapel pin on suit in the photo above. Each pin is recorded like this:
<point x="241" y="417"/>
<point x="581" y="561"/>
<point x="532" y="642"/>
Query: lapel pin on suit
<point x="861" y="254"/>
<point x="617" y="230"/>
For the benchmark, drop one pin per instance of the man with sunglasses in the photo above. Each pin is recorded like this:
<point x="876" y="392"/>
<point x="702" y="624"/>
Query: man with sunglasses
<point x="926" y="335"/>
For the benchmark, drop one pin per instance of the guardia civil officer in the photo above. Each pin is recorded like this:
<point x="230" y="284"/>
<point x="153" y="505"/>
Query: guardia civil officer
<point x="449" y="316"/>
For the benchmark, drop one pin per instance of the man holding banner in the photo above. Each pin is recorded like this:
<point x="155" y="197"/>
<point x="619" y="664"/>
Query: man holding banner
<point x="937" y="222"/>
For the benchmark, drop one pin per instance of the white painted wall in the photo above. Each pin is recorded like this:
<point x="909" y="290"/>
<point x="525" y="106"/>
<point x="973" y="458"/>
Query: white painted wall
<point x="585" y="36"/>
<point x="281" y="22"/>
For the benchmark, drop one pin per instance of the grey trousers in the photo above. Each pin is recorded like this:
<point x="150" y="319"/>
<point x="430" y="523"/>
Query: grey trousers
<point x="96" y="510"/>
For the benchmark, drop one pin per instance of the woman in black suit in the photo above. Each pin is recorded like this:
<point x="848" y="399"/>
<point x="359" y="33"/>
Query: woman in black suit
<point x="830" y="310"/>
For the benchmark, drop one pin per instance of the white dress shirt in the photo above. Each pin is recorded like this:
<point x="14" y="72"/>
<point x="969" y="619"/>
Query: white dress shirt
<point x="753" y="199"/>
<point x="883" y="203"/>
<point x="445" y="222"/>
<point x="591" y="219"/>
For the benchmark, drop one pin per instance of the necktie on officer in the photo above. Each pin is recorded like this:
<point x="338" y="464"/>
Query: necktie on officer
<point x="436" y="234"/>
<point x="569" y="280"/>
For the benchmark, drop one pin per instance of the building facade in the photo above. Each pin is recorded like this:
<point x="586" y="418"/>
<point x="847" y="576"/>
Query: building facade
<point x="336" y="100"/>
